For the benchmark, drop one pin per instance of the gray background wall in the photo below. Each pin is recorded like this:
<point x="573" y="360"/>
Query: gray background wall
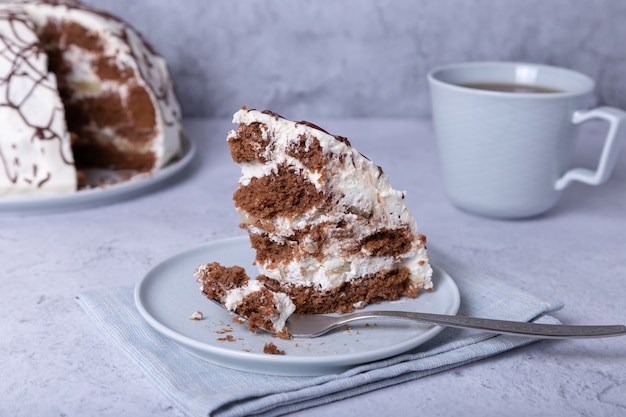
<point x="365" y="58"/>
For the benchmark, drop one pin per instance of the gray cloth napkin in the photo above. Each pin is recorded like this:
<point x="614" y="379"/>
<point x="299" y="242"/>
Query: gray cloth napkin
<point x="200" y="388"/>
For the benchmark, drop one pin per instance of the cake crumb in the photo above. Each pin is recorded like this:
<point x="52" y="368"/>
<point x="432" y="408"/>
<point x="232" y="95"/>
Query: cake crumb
<point x="283" y="334"/>
<point x="196" y="315"/>
<point x="224" y="330"/>
<point x="271" y="349"/>
<point x="228" y="338"/>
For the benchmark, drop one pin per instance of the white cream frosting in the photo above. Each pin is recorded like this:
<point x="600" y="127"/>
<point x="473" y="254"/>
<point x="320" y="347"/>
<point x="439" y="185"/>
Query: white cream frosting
<point x="367" y="201"/>
<point x="35" y="149"/>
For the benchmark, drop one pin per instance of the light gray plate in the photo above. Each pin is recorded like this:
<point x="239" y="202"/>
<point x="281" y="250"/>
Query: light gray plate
<point x="168" y="295"/>
<point x="139" y="184"/>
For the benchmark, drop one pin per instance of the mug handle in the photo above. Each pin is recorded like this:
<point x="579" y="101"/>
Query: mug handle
<point x="617" y="127"/>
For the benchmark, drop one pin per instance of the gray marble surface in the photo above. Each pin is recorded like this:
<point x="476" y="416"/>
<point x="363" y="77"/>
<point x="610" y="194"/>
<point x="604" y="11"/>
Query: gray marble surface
<point x="365" y="58"/>
<point x="53" y="362"/>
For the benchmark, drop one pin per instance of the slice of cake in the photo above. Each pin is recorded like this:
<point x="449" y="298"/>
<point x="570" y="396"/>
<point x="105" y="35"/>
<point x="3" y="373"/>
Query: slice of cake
<point x="328" y="229"/>
<point x="70" y="71"/>
<point x="231" y="286"/>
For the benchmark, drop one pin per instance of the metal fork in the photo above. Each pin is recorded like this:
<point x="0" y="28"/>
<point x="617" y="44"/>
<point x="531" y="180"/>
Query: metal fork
<point x="314" y="325"/>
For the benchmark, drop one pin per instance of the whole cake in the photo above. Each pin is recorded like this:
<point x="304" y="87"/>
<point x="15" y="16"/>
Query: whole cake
<point x="79" y="89"/>
<point x="328" y="229"/>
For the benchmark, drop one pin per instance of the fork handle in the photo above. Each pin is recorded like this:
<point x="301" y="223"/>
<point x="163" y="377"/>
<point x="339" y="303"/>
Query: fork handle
<point x="545" y="331"/>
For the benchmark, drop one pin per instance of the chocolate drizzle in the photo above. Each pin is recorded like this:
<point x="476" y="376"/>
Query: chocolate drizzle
<point x="306" y="123"/>
<point x="23" y="55"/>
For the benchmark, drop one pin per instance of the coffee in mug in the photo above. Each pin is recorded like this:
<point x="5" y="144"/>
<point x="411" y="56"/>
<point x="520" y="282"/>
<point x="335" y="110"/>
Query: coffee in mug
<point x="511" y="88"/>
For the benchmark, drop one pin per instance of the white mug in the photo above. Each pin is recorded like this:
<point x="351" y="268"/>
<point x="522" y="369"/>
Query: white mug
<point x="507" y="154"/>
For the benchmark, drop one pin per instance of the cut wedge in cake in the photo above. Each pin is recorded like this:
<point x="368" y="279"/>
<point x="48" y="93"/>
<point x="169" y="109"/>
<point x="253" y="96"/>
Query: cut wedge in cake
<point x="327" y="227"/>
